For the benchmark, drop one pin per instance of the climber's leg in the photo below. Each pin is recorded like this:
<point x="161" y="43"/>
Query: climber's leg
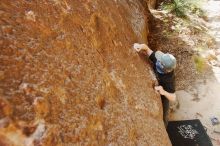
<point x="165" y="103"/>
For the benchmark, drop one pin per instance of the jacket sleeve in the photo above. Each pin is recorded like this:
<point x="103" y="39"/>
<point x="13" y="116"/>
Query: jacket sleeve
<point x="153" y="58"/>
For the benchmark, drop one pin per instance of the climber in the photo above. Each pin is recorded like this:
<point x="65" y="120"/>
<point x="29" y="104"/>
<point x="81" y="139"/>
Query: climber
<point x="163" y="65"/>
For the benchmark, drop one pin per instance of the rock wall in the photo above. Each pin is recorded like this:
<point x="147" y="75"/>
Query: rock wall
<point x="69" y="76"/>
<point x="151" y="3"/>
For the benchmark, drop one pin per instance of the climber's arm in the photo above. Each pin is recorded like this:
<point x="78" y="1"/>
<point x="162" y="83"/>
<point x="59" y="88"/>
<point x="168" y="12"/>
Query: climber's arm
<point x="169" y="96"/>
<point x="143" y="47"/>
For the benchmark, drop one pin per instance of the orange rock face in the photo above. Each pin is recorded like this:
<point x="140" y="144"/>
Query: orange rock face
<point x="69" y="75"/>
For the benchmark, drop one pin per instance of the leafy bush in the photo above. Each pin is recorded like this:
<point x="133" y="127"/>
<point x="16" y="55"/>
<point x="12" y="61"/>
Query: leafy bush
<point x="183" y="7"/>
<point x="200" y="63"/>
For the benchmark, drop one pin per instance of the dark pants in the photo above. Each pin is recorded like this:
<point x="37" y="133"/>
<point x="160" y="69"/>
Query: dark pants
<point x="165" y="103"/>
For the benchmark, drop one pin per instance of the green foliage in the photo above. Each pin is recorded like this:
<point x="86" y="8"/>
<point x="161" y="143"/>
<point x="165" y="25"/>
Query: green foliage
<point x="179" y="8"/>
<point x="200" y="63"/>
<point x="183" y="7"/>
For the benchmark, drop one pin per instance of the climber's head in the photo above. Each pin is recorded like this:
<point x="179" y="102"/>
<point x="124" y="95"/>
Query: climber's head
<point x="165" y="62"/>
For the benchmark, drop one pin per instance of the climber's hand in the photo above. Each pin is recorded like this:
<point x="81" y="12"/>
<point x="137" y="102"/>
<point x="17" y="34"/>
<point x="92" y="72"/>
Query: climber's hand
<point x="160" y="90"/>
<point x="170" y="96"/>
<point x="138" y="47"/>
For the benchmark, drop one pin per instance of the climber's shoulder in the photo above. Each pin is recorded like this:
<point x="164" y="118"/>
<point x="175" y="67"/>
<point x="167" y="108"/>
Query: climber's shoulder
<point x="152" y="57"/>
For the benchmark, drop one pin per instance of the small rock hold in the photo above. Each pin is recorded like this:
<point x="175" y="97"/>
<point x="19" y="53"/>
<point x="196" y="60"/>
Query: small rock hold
<point x="30" y="16"/>
<point x="98" y="126"/>
<point x="4" y="122"/>
<point x="37" y="134"/>
<point x="5" y="107"/>
<point x="41" y="107"/>
<point x="139" y="107"/>
<point x="100" y="101"/>
<point x="28" y="130"/>
<point x="27" y="88"/>
<point x="7" y="29"/>
<point x="60" y="92"/>
<point x="115" y="42"/>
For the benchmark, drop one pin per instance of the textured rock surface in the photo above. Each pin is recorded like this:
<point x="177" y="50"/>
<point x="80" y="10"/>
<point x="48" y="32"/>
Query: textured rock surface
<point x="151" y="3"/>
<point x="68" y="75"/>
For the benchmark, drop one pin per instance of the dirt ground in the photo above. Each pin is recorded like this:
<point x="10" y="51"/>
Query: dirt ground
<point x="197" y="90"/>
<point x="201" y="100"/>
<point x="69" y="75"/>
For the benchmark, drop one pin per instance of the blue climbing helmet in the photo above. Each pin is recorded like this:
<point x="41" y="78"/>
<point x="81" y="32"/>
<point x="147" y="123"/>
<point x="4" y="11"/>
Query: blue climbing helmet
<point x="165" y="62"/>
